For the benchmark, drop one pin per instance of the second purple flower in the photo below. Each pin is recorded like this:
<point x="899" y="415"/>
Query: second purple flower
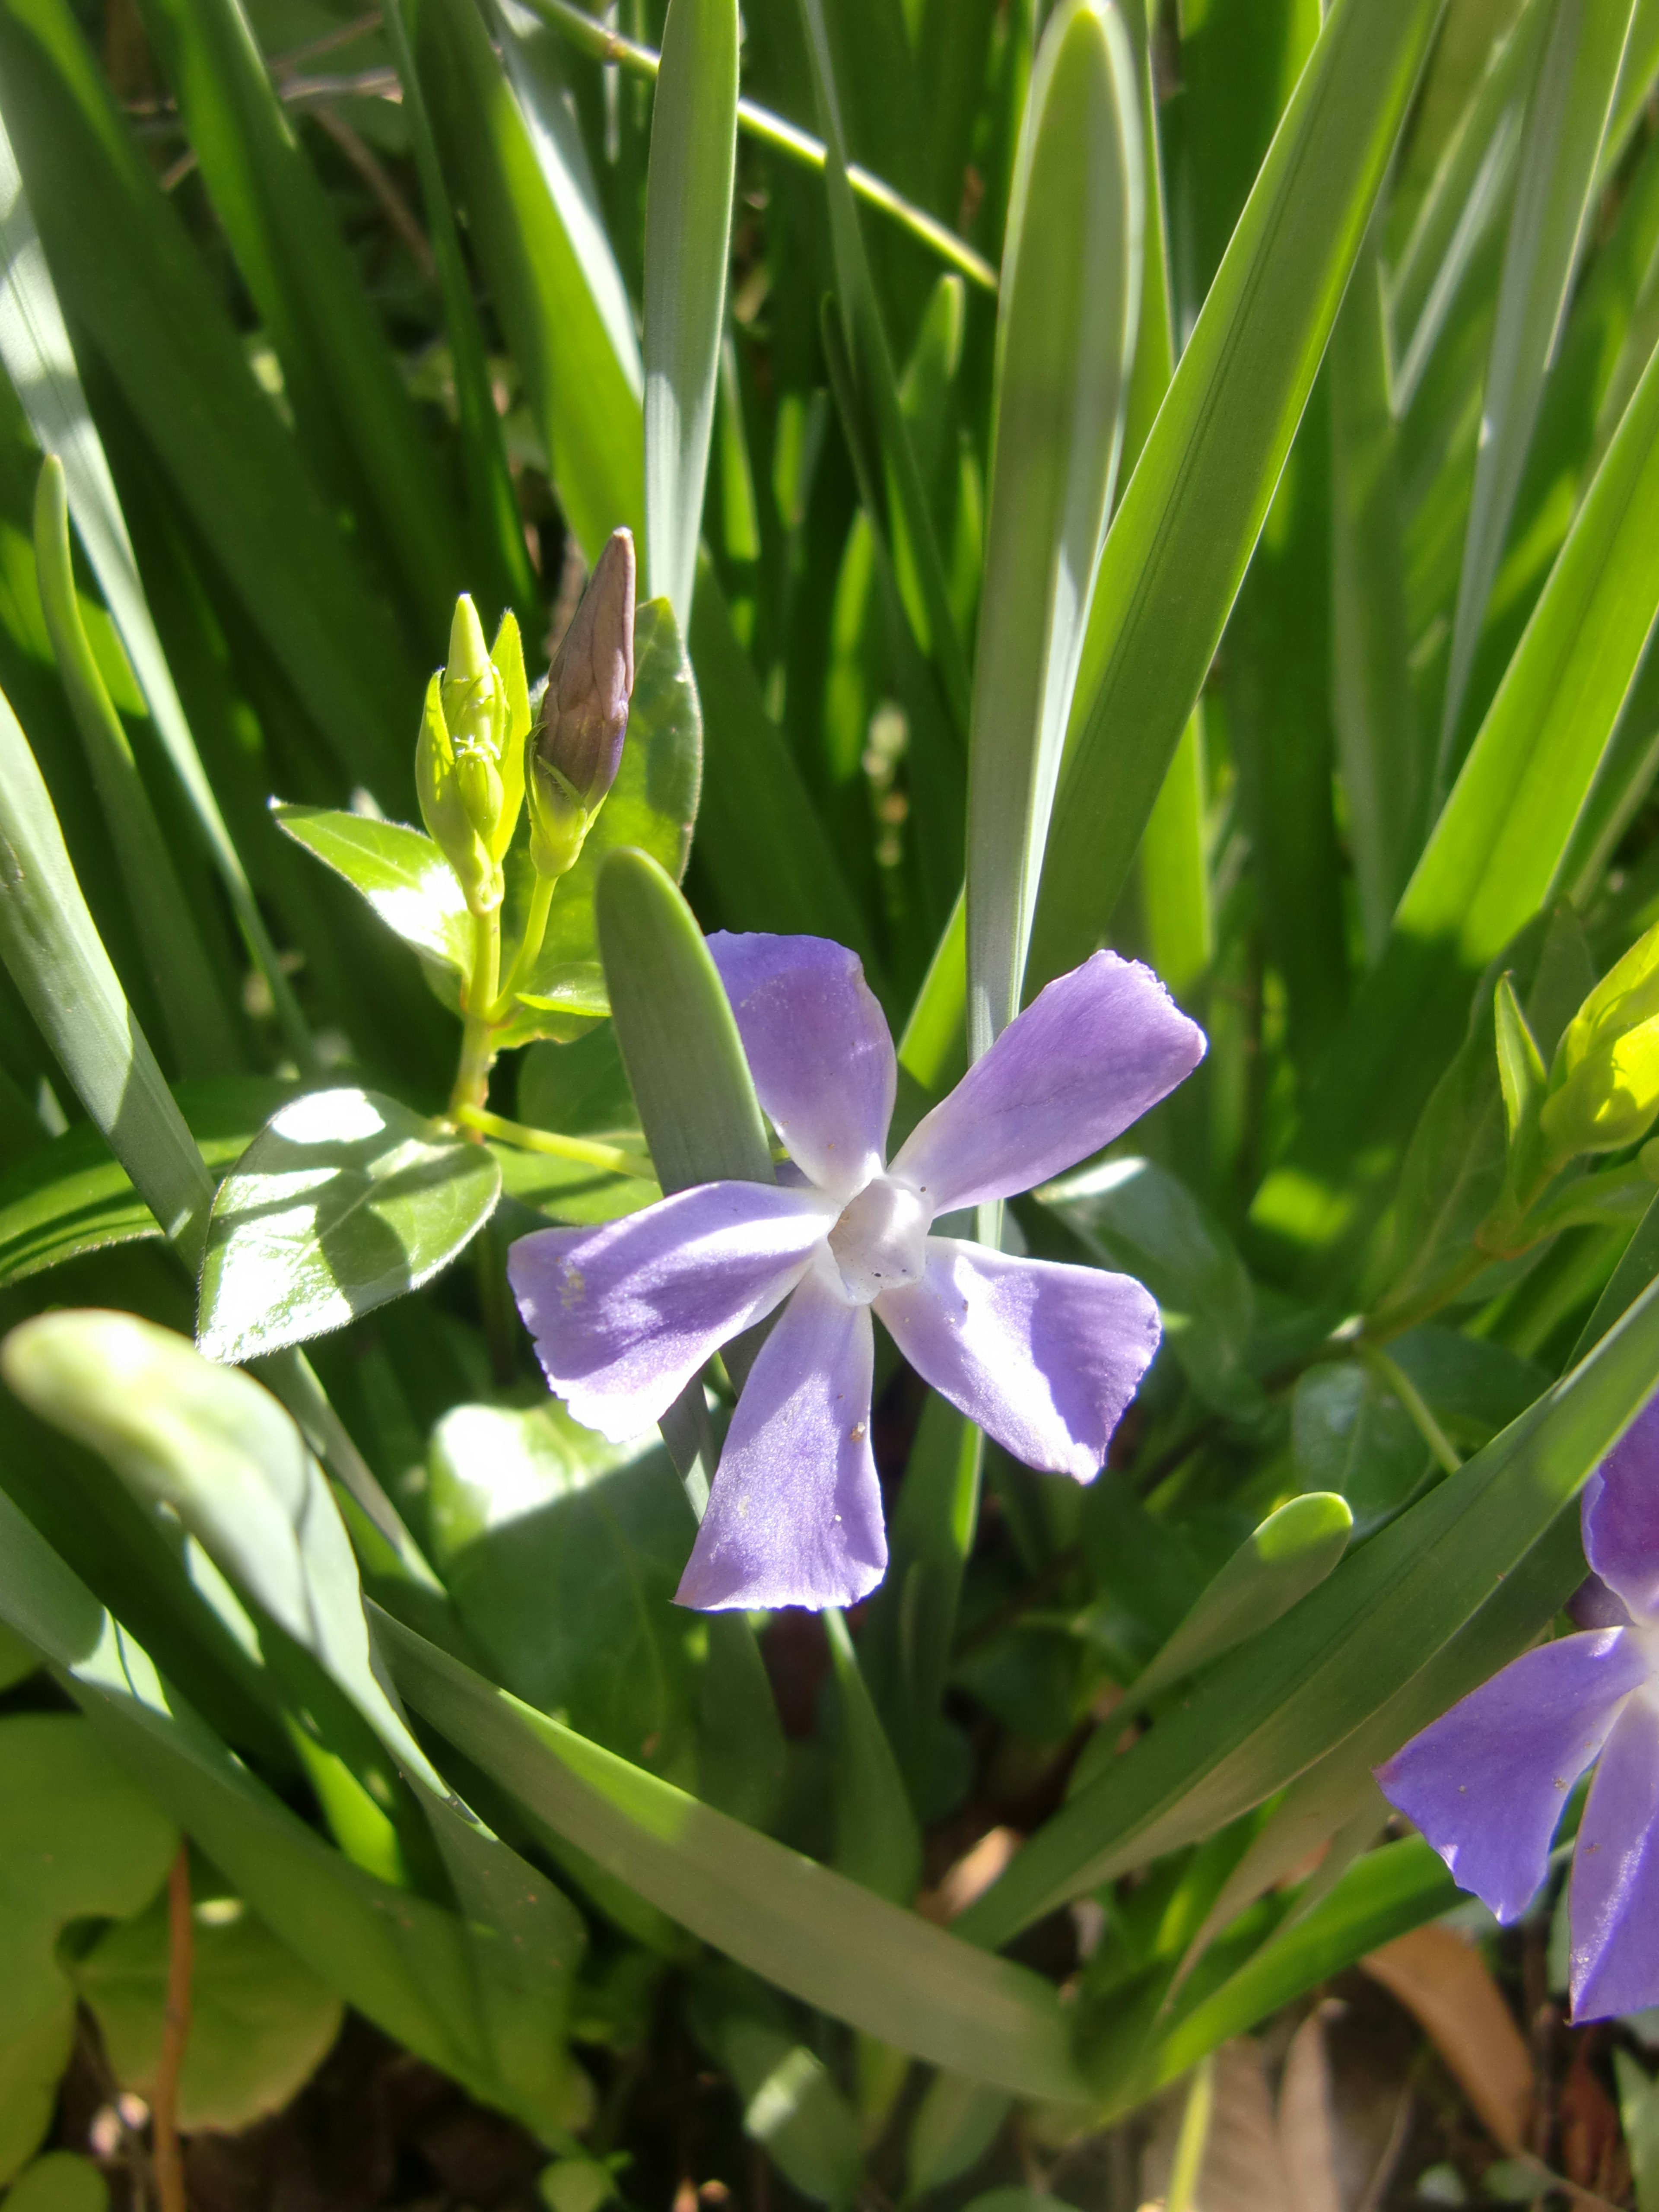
<point x="1043" y="1357"/>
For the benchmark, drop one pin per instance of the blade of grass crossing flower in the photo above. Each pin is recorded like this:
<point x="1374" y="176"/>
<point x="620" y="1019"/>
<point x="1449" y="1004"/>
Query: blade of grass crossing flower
<point x="351" y="410"/>
<point x="128" y="276"/>
<point x="1337" y="1658"/>
<point x="887" y="1971"/>
<point x="1066" y="332"/>
<point x="877" y="385"/>
<point x="1560" y="150"/>
<point x="1384" y="772"/>
<point x="1496" y="854"/>
<point x="1182" y="537"/>
<point x="34" y="346"/>
<point x="198" y="1025"/>
<point x="58" y="963"/>
<point x="688" y="225"/>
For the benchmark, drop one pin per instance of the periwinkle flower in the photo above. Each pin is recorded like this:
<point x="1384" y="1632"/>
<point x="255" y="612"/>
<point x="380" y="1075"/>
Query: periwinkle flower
<point x="1487" y="1782"/>
<point x="1044" y="1356"/>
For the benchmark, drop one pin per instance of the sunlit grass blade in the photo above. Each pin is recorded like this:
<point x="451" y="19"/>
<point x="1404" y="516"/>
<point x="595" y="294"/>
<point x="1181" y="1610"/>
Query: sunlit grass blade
<point x="1066" y="335"/>
<point x="687" y="222"/>
<point x="34" y="346"/>
<point x="1184" y="532"/>
<point x="198" y="1025"/>
<point x="1560" y="150"/>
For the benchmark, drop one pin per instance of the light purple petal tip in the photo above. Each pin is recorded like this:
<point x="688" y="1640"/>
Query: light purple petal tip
<point x="818" y="1049"/>
<point x="1087" y="1056"/>
<point x="623" y="1315"/>
<point x="1621" y="1516"/>
<point x="1613" y="1909"/>
<point x="1044" y="1358"/>
<point x="794" y="1514"/>
<point x="1487" y="1781"/>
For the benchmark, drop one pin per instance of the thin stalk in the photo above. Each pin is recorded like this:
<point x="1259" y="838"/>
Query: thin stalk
<point x="610" y="1158"/>
<point x="1390" y="1372"/>
<point x="175" y="2032"/>
<point x="530" y="946"/>
<point x="477" y="1047"/>
<point x="600" y="44"/>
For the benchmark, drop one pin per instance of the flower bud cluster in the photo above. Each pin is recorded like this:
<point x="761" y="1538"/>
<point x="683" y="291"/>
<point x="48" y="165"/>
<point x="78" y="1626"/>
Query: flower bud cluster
<point x="468" y="760"/>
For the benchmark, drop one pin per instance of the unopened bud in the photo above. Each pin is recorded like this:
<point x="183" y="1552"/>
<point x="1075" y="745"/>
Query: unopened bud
<point x="573" y="752"/>
<point x="472" y="692"/>
<point x="1604" y="1084"/>
<point x="445" y="808"/>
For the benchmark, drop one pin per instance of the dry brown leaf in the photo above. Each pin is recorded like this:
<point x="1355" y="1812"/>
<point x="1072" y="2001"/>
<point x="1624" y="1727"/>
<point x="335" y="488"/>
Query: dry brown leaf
<point x="1243" y="2169"/>
<point x="972" y="1874"/>
<point x="1307" y="2135"/>
<point x="1444" y="1984"/>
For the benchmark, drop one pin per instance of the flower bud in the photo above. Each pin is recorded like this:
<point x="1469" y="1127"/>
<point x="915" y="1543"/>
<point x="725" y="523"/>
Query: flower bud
<point x="471" y="693"/>
<point x="1604" y="1084"/>
<point x="573" y="754"/>
<point x="444" y="807"/>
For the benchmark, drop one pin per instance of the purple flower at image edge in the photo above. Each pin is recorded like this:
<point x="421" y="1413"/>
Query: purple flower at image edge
<point x="1487" y="1782"/>
<point x="1043" y="1357"/>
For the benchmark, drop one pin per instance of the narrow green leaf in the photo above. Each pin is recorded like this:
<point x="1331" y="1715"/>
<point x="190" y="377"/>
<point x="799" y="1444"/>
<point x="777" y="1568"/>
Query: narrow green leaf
<point x="790" y="2103"/>
<point x="878" y="1842"/>
<point x="1290" y="1553"/>
<point x="1065" y="336"/>
<point x="34" y="346"/>
<point x="198" y="1022"/>
<point x="1494" y="857"/>
<point x="1183" y="534"/>
<point x="345" y="1200"/>
<point x="55" y="960"/>
<point x="688" y="223"/>
<point x="888" y="1973"/>
<point x="955" y="2124"/>
<point x="1560" y="150"/>
<point x="1521" y="1069"/>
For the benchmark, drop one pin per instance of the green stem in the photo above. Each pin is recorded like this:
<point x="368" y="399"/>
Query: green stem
<point x="609" y="1156"/>
<point x="477" y="1049"/>
<point x="1390" y="1372"/>
<point x="530" y="946"/>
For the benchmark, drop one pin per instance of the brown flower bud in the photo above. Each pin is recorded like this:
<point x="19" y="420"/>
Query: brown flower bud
<point x="571" y="755"/>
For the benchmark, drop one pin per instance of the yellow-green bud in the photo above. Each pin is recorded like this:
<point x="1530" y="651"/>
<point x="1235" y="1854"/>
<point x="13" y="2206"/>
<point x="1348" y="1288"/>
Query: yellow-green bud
<point x="473" y="704"/>
<point x="445" y="809"/>
<point x="470" y="760"/>
<point x="1604" y="1084"/>
<point x="571" y="757"/>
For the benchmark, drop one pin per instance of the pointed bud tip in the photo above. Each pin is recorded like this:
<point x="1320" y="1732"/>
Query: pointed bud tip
<point x="468" y="656"/>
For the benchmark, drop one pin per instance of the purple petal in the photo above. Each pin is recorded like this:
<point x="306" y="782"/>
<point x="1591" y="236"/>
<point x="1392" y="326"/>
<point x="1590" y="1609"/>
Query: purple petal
<point x="624" y="1314"/>
<point x="1592" y="1605"/>
<point x="1621" y="1516"/>
<point x="794" y="1514"/>
<point x="818" y="1049"/>
<point x="1044" y="1358"/>
<point x="1089" y="1055"/>
<point x="1486" y="1782"/>
<point x="1615" y="1906"/>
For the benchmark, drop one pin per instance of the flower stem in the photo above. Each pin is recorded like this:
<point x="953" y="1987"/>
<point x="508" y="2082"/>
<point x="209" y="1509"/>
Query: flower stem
<point x="610" y="1158"/>
<point x="175" y="2031"/>
<point x="530" y="946"/>
<point x="1395" y="1377"/>
<point x="478" y="1050"/>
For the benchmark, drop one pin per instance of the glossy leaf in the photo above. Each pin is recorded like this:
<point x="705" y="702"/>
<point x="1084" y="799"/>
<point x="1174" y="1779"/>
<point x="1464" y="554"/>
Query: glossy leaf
<point x="687" y="222"/>
<point x="1186" y="525"/>
<point x="343" y="1200"/>
<point x="1351" y="1436"/>
<point x="889" y="1973"/>
<point x="399" y="870"/>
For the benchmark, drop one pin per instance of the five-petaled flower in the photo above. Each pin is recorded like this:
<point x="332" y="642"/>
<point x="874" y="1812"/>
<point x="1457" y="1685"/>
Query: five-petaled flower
<point x="1044" y="1356"/>
<point x="1488" y="1782"/>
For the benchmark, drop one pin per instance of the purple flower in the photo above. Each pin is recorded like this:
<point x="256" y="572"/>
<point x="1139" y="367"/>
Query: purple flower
<point x="1044" y="1358"/>
<point x="1486" y="1782"/>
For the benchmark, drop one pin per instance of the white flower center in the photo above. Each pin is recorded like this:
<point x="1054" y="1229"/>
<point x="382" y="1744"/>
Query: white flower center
<point x="880" y="1241"/>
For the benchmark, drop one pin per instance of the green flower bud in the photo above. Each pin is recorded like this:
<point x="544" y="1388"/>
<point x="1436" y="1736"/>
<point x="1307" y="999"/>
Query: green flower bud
<point x="470" y="761"/>
<point x="473" y="705"/>
<point x="445" y="808"/>
<point x="572" y="756"/>
<point x="1604" y="1084"/>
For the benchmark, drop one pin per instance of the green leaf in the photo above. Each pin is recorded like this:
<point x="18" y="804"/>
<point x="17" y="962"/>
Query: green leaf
<point x="343" y="1200"/>
<point x="197" y="1019"/>
<point x="1332" y="1663"/>
<point x="878" y="1842"/>
<point x="1638" y="2115"/>
<point x="59" y="2182"/>
<point x="399" y="870"/>
<point x="79" y="1837"/>
<point x="34" y="346"/>
<point x="1558" y="154"/>
<point x="688" y="223"/>
<point x="1066" y="336"/>
<point x="1134" y="1215"/>
<point x="791" y="2104"/>
<point x="562" y="1553"/>
<point x="73" y="1196"/>
<point x="260" y="2021"/>
<point x="1352" y="1435"/>
<point x="55" y="960"/>
<point x="1290" y="1553"/>
<point x="1494" y="859"/>
<point x="955" y="2124"/>
<point x="742" y="1756"/>
<point x="888" y="1973"/>
<point x="1183" y="533"/>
